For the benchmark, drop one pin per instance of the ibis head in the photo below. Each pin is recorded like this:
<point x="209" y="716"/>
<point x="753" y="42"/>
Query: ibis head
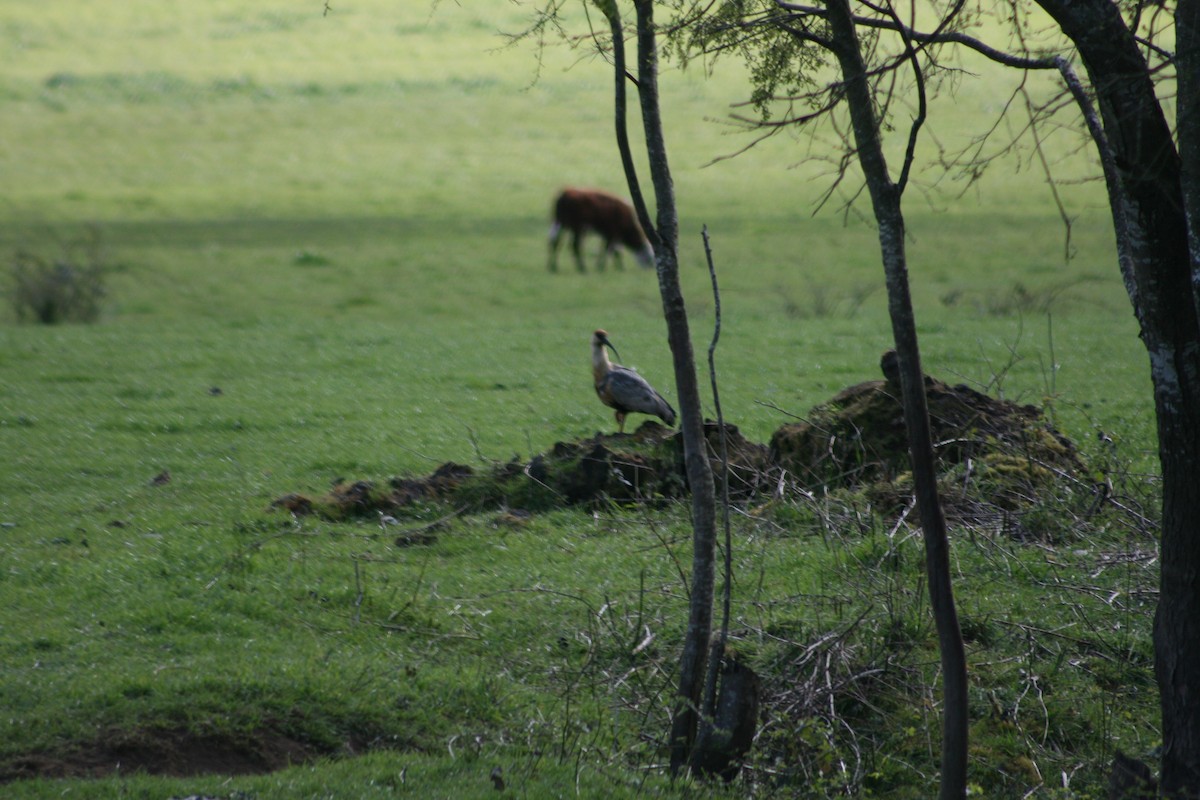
<point x="600" y="340"/>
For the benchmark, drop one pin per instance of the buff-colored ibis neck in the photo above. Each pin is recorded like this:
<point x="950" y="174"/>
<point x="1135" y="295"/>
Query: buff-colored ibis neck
<point x="601" y="366"/>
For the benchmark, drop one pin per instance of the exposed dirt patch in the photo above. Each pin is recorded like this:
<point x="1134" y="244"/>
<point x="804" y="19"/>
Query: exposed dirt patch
<point x="165" y="751"/>
<point x="359" y="498"/>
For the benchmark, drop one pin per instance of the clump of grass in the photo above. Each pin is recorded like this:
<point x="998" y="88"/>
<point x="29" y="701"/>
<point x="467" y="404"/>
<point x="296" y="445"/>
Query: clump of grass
<point x="311" y="258"/>
<point x="67" y="289"/>
<point x="824" y="302"/>
<point x="1018" y="300"/>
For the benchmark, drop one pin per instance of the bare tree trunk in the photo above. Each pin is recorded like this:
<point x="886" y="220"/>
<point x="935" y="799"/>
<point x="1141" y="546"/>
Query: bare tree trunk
<point x="699" y="472"/>
<point x="1156" y="203"/>
<point x="885" y="198"/>
<point x="620" y="75"/>
<point x="664" y="237"/>
<point x="1187" y="63"/>
<point x="1177" y="623"/>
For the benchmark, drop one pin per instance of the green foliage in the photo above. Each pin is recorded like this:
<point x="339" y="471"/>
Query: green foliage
<point x="782" y="66"/>
<point x="67" y="289"/>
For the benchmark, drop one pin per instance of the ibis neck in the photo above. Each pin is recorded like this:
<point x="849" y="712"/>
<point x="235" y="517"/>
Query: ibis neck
<point x="601" y="366"/>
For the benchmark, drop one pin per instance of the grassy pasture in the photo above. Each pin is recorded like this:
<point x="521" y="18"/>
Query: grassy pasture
<point x="338" y="221"/>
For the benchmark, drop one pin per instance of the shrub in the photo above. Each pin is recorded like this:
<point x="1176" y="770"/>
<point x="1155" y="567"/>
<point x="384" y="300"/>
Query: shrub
<point x="67" y="289"/>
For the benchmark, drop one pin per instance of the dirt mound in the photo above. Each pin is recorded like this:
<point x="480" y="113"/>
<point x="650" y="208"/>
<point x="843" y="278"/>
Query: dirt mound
<point x="858" y="439"/>
<point x="1004" y="452"/>
<point x="364" y="498"/>
<point x="645" y="465"/>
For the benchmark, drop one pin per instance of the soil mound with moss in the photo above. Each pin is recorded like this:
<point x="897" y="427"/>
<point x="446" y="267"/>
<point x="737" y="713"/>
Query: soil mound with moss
<point x="1004" y="453"/>
<point x="991" y="453"/>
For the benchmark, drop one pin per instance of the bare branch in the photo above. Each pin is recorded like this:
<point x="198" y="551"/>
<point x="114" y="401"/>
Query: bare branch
<point x="1041" y="153"/>
<point x="938" y="37"/>
<point x="1108" y="163"/>
<point x="620" y="75"/>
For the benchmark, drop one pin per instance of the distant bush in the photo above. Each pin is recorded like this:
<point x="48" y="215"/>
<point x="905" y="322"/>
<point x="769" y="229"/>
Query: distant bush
<point x="309" y="258"/>
<point x="66" y="289"/>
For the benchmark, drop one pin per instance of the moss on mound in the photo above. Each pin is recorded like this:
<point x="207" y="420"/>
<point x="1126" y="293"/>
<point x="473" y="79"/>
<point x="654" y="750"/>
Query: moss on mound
<point x="992" y="454"/>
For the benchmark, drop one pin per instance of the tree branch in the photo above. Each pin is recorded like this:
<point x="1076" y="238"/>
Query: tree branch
<point x="621" y="74"/>
<point x="937" y="37"/>
<point x="718" y="648"/>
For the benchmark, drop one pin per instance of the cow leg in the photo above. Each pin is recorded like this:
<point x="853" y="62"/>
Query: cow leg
<point x="616" y="254"/>
<point x="555" y="237"/>
<point x="577" y="248"/>
<point x="603" y="256"/>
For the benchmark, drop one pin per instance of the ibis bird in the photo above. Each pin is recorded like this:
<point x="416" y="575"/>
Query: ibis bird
<point x="622" y="389"/>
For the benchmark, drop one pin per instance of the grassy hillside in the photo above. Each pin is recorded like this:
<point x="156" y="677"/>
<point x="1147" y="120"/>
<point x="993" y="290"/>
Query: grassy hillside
<point x="324" y="236"/>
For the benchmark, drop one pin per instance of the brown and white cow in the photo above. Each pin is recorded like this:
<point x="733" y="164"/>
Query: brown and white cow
<point x="583" y="210"/>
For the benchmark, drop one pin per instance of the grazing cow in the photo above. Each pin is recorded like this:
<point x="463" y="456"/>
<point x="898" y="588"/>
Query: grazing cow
<point x="583" y="210"/>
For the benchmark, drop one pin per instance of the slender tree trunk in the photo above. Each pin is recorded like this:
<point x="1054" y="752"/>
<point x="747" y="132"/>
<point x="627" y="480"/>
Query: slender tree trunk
<point x="1156" y="201"/>
<point x="885" y="198"/>
<point x="697" y="467"/>
<point x="664" y="237"/>
<point x="620" y="76"/>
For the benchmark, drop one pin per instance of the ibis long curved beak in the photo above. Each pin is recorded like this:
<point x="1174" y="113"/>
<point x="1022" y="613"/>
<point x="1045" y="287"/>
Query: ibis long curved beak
<point x="606" y="343"/>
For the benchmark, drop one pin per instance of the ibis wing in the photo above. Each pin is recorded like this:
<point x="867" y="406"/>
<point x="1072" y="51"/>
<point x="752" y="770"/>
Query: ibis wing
<point x="630" y="392"/>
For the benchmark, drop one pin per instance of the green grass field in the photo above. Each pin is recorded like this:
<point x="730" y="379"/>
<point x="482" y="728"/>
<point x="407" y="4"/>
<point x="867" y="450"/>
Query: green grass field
<point x="338" y="221"/>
